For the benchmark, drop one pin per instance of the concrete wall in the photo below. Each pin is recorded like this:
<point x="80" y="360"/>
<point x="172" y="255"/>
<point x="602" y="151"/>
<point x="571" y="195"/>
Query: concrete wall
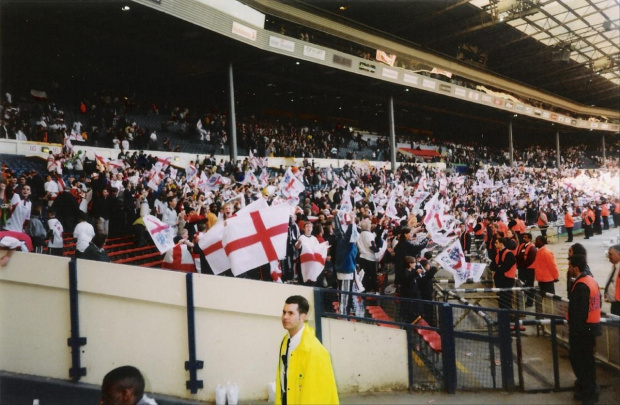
<point x="137" y="316"/>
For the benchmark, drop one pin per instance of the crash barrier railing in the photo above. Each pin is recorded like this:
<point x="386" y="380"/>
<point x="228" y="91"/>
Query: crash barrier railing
<point x="549" y="321"/>
<point x="607" y="349"/>
<point x="449" y="346"/>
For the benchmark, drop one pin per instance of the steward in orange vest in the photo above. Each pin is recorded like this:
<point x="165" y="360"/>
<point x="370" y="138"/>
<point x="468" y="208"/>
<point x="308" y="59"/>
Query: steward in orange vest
<point x="584" y="316"/>
<point x="605" y="214"/>
<point x="526" y="255"/>
<point x="545" y="267"/>
<point x="569" y="224"/>
<point x="587" y="216"/>
<point x="504" y="269"/>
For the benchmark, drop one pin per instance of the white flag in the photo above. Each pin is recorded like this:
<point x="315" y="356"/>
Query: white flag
<point x="312" y="258"/>
<point x="162" y="233"/>
<point x="453" y="260"/>
<point x="256" y="239"/>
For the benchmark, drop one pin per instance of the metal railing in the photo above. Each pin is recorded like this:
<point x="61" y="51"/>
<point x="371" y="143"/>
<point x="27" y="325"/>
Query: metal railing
<point x="461" y="346"/>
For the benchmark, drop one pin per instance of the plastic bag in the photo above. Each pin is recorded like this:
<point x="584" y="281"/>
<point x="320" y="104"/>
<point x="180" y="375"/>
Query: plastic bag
<point x="271" y="389"/>
<point x="232" y="393"/>
<point x="220" y="395"/>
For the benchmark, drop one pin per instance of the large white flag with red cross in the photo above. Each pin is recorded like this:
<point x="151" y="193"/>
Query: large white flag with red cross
<point x="312" y="258"/>
<point x="211" y="243"/>
<point x="256" y="239"/>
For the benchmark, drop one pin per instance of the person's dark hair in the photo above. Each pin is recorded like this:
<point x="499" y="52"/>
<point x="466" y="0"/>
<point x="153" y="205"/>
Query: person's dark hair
<point x="302" y="303"/>
<point x="99" y="240"/>
<point x="503" y="241"/>
<point x="542" y="239"/>
<point x="404" y="230"/>
<point x="529" y="235"/>
<point x="409" y="259"/>
<point x="579" y="249"/>
<point x="578" y="261"/>
<point x="616" y="248"/>
<point x="201" y="227"/>
<point x="318" y="228"/>
<point x="428" y="255"/>
<point x="125" y="377"/>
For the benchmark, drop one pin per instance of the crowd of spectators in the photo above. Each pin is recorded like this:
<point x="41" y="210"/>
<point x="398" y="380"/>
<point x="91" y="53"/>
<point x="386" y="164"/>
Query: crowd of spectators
<point x="113" y="198"/>
<point x="119" y="123"/>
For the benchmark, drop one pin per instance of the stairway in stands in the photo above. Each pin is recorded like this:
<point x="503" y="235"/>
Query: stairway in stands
<point x="122" y="250"/>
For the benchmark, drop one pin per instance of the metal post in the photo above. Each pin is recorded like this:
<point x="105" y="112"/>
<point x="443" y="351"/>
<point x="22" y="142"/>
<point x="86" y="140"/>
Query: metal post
<point x="604" y="154"/>
<point x="231" y="116"/>
<point x="392" y="134"/>
<point x="554" y="352"/>
<point x="75" y="341"/>
<point x="517" y="328"/>
<point x="510" y="147"/>
<point x="448" y="351"/>
<point x="193" y="384"/>
<point x="505" y="350"/>
<point x="318" y="314"/>
<point x="557" y="148"/>
<point x="410" y="349"/>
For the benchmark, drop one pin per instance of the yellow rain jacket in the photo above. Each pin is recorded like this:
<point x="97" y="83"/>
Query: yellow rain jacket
<point x="310" y="374"/>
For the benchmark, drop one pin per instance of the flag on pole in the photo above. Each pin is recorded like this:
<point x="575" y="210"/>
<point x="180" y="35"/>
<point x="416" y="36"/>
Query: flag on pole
<point x="291" y="186"/>
<point x="256" y="239"/>
<point x="211" y="246"/>
<point x="453" y="260"/>
<point x="190" y="171"/>
<point x="161" y="233"/>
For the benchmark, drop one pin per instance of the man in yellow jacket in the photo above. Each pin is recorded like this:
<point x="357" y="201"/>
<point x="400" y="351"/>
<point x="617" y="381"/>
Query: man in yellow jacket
<point x="305" y="374"/>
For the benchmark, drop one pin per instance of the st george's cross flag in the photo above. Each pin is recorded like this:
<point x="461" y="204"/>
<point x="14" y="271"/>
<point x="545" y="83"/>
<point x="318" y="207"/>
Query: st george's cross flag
<point x="211" y="244"/>
<point x="312" y="258"/>
<point x="161" y="233"/>
<point x="453" y="260"/>
<point x="291" y="186"/>
<point x="256" y="239"/>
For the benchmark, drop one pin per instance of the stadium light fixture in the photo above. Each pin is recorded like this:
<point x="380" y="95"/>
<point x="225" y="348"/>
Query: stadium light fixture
<point x="125" y="8"/>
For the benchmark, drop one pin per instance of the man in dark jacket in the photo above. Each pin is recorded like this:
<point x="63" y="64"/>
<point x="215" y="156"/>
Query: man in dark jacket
<point x="95" y="250"/>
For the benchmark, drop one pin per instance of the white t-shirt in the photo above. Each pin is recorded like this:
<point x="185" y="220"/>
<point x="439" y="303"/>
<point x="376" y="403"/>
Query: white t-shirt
<point x="52" y="188"/>
<point x="20" y="214"/>
<point x="56" y="227"/>
<point x="364" y="242"/>
<point x="84" y="233"/>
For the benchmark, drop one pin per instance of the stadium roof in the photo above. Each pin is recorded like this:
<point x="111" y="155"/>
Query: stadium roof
<point x="567" y="47"/>
<point x="71" y="47"/>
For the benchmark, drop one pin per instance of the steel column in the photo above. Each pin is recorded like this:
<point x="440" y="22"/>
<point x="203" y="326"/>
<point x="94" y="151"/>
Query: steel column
<point x="392" y="134"/>
<point x="193" y="384"/>
<point x="75" y="341"/>
<point x="557" y="148"/>
<point x="231" y="116"/>
<point x="510" y="146"/>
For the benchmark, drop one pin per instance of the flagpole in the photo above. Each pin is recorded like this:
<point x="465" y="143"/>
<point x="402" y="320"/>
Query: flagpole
<point x="231" y="116"/>
<point x="392" y="135"/>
